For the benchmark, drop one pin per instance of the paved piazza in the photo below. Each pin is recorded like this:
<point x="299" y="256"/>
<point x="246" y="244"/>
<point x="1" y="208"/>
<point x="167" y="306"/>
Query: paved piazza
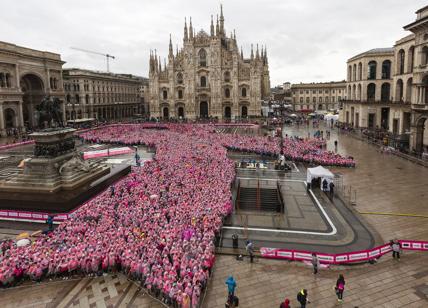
<point x="384" y="183"/>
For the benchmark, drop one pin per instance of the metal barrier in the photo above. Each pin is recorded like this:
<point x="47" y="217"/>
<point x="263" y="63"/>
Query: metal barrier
<point x="342" y="258"/>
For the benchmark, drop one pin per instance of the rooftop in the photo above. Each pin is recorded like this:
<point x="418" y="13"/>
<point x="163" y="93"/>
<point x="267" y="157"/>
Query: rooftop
<point x="78" y="71"/>
<point x="374" y="52"/>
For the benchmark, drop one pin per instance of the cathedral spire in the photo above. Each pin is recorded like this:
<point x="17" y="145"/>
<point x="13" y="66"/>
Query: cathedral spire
<point x="190" y="29"/>
<point x="160" y="65"/>
<point x="171" y="53"/>
<point x="155" y="61"/>
<point x="151" y="62"/>
<point x="176" y="50"/>
<point x="164" y="64"/>
<point x="266" y="59"/>
<point x="252" y="53"/>
<point x="217" y="28"/>
<point x="234" y="35"/>
<point x="242" y="54"/>
<point x="222" y="30"/>
<point x="185" y="29"/>
<point x="262" y="56"/>
<point x="212" y="26"/>
<point x="257" y="52"/>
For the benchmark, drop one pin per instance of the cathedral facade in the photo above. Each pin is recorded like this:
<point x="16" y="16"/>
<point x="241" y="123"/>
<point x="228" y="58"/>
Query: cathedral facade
<point x="208" y="78"/>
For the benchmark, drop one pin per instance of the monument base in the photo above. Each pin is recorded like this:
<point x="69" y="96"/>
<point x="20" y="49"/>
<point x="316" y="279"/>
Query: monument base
<point x="61" y="201"/>
<point x="56" y="178"/>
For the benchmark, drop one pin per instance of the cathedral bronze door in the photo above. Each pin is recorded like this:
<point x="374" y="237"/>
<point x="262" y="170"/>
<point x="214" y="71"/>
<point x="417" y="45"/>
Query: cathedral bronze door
<point x="180" y="112"/>
<point x="203" y="110"/>
<point x="165" y="113"/>
<point x="227" y="112"/>
<point x="244" y="112"/>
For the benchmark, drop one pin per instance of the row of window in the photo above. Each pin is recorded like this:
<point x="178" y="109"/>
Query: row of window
<point x="5" y="80"/>
<point x="226" y="93"/>
<point x="104" y="88"/>
<point x="320" y="91"/>
<point x="356" y="73"/>
<point x="102" y="100"/>
<point x="355" y="93"/>
<point x="320" y="99"/>
<point x="179" y="77"/>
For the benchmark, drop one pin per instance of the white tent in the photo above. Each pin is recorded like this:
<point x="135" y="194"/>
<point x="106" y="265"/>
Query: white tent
<point x="318" y="172"/>
<point x="330" y="116"/>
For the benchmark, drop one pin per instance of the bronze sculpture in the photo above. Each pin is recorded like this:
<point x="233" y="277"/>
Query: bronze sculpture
<point x="49" y="113"/>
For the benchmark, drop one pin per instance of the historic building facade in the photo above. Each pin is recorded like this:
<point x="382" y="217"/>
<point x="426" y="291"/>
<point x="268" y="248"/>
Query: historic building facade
<point x="104" y="96"/>
<point x="318" y="96"/>
<point x="208" y="77"/>
<point x="387" y="88"/>
<point x="419" y="66"/>
<point x="26" y="76"/>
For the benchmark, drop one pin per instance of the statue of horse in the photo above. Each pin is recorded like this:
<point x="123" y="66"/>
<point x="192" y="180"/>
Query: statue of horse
<point x="49" y="111"/>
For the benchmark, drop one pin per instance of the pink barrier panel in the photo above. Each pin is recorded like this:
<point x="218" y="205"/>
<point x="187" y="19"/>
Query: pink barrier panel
<point x="104" y="153"/>
<point x="33" y="216"/>
<point x="13" y="145"/>
<point x="356" y="256"/>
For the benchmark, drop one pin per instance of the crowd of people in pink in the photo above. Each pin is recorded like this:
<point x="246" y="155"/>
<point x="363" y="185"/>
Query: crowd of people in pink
<point x="158" y="224"/>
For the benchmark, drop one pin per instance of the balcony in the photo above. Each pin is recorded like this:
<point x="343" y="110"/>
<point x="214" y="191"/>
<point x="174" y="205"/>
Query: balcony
<point x="203" y="89"/>
<point x="420" y="107"/>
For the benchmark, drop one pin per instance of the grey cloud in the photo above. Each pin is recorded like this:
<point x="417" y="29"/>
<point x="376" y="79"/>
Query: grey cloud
<point x="306" y="40"/>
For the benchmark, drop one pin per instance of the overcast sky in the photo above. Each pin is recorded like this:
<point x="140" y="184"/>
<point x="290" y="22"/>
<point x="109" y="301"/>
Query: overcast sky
<point x="307" y="40"/>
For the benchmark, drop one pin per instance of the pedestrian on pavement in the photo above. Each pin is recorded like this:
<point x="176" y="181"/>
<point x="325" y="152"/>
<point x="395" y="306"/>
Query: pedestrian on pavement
<point x="235" y="240"/>
<point x="324" y="185"/>
<point x="335" y="145"/>
<point x="315" y="263"/>
<point x="340" y="287"/>
<point x="396" y="247"/>
<point x="285" y="304"/>
<point x="231" y="285"/>
<point x="331" y="187"/>
<point x="302" y="298"/>
<point x="49" y="221"/>
<point x="250" y="250"/>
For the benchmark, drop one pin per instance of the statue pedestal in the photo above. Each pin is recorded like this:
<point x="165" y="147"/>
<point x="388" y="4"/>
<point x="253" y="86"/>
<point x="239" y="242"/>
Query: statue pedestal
<point x="55" y="179"/>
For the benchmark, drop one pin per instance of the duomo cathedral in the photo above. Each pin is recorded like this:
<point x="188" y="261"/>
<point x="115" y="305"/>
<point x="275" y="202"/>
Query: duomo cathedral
<point x="209" y="77"/>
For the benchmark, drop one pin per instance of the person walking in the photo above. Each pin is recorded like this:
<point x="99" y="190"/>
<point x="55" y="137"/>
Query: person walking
<point x="396" y="247"/>
<point x="285" y="304"/>
<point x="49" y="221"/>
<point x="331" y="187"/>
<point x="324" y="185"/>
<point x="335" y="146"/>
<point x="302" y="298"/>
<point x="340" y="287"/>
<point x="250" y="250"/>
<point x="231" y="286"/>
<point x="315" y="263"/>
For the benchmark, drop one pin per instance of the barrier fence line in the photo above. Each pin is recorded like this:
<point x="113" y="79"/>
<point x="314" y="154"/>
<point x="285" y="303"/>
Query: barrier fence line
<point x="343" y="258"/>
<point x="13" y="145"/>
<point x="107" y="152"/>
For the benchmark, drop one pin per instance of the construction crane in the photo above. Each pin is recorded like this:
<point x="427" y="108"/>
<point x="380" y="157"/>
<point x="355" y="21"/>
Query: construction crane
<point x="97" y="53"/>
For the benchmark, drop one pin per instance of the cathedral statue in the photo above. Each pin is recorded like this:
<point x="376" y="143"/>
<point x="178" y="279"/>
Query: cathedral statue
<point x="218" y="81"/>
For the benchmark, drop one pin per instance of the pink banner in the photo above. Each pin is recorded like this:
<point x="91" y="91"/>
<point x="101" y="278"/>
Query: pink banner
<point x="351" y="257"/>
<point x="107" y="152"/>
<point x="13" y="145"/>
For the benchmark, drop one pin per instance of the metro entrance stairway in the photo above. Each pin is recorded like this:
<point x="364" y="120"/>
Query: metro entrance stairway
<point x="262" y="199"/>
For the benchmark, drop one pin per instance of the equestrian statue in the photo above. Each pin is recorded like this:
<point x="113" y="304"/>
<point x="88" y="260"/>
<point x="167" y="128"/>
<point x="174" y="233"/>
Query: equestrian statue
<point x="49" y="113"/>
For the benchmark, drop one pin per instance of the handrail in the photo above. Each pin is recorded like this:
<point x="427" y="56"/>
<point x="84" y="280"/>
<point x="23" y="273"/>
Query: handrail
<point x="238" y="194"/>
<point x="281" y="200"/>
